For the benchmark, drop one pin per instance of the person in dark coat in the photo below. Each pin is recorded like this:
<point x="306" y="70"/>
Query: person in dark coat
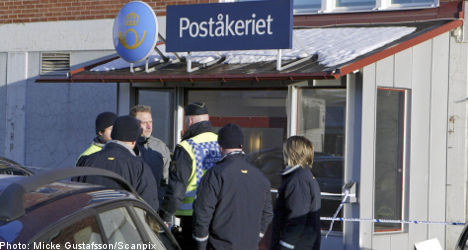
<point x="118" y="156"/>
<point x="193" y="156"/>
<point x="296" y="221"/>
<point x="153" y="150"/>
<point x="233" y="205"/>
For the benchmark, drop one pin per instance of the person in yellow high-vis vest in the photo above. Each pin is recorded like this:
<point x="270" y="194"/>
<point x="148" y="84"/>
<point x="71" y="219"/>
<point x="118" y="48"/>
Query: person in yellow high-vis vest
<point x="104" y="123"/>
<point x="198" y="152"/>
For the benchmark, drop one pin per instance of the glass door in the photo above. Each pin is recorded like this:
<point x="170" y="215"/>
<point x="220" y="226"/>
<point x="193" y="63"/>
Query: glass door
<point x="161" y="102"/>
<point x="321" y="118"/>
<point x="262" y="116"/>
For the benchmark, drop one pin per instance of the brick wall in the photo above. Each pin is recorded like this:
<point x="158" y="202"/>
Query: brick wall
<point x="23" y="11"/>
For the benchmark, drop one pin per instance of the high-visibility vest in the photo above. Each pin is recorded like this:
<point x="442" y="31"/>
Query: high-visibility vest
<point x="91" y="150"/>
<point x="204" y="151"/>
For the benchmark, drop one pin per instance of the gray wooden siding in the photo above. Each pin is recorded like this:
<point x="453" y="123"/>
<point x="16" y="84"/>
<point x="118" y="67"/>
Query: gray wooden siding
<point x="420" y="119"/>
<point x="456" y="142"/>
<point x="366" y="189"/>
<point x="424" y="69"/>
<point x="352" y="154"/>
<point x="438" y="135"/>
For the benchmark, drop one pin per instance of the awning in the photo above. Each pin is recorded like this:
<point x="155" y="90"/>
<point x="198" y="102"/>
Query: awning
<point x="324" y="53"/>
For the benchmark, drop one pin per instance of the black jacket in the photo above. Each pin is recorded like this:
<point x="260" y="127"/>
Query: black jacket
<point x="233" y="205"/>
<point x="154" y="159"/>
<point x="180" y="171"/>
<point x="297" y="211"/>
<point x="119" y="159"/>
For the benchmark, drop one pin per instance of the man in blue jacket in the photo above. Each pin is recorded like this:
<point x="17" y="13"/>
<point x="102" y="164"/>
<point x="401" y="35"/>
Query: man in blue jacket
<point x="118" y="156"/>
<point x="233" y="205"/>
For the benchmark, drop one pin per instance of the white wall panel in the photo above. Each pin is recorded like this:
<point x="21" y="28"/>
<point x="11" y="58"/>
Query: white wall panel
<point x="420" y="130"/>
<point x="62" y="35"/>
<point x="403" y="73"/>
<point x="438" y="135"/>
<point x="400" y="241"/>
<point x="456" y="200"/>
<point x="382" y="242"/>
<point x="384" y="72"/>
<point x="366" y="189"/>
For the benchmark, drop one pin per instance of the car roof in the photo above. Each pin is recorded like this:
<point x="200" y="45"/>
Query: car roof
<point x="25" y="199"/>
<point x="20" y="193"/>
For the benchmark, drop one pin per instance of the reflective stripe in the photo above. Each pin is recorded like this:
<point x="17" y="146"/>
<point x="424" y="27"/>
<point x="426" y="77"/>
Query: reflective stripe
<point x="287" y="245"/>
<point x="186" y="206"/>
<point x="203" y="149"/>
<point x="288" y="169"/>
<point x="261" y="235"/>
<point x="191" y="193"/>
<point x="200" y="239"/>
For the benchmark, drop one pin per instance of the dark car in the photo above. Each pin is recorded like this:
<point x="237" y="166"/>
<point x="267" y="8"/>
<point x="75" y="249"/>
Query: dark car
<point x="327" y="169"/>
<point x="39" y="212"/>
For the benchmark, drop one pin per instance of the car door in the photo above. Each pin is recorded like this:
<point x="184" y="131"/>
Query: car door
<point x="117" y="225"/>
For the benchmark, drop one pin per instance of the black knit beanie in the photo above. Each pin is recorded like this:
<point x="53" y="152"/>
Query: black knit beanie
<point x="231" y="136"/>
<point x="105" y="120"/>
<point x="126" y="128"/>
<point x="196" y="108"/>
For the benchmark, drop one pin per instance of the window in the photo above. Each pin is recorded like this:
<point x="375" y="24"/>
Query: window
<point x="325" y="6"/>
<point x="157" y="233"/>
<point x="85" y="231"/>
<point x="390" y="157"/>
<point x="162" y="110"/>
<point x="261" y="115"/>
<point x="321" y="118"/>
<point x="307" y="5"/>
<point x="355" y="3"/>
<point x="119" y="227"/>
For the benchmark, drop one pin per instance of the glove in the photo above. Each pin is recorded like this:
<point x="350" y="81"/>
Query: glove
<point x="201" y="245"/>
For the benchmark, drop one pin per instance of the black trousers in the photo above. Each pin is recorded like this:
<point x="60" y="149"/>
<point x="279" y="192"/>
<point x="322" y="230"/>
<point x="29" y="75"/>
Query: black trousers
<point x="185" y="238"/>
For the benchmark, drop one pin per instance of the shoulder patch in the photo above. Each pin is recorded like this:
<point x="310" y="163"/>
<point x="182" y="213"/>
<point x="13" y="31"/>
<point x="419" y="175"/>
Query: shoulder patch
<point x="244" y="171"/>
<point x="110" y="158"/>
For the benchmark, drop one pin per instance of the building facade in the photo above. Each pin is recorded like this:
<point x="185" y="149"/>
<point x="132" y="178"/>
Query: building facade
<point x="393" y="120"/>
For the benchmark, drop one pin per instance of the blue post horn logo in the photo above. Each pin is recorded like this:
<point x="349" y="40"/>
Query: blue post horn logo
<point x="135" y="31"/>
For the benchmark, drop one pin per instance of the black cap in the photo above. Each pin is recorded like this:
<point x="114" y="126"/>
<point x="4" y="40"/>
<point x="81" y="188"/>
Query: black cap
<point x="105" y="120"/>
<point x="231" y="136"/>
<point x="126" y="128"/>
<point x="196" y="108"/>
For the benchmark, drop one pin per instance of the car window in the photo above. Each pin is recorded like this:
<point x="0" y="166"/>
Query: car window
<point x="84" y="231"/>
<point x="119" y="227"/>
<point x="156" y="231"/>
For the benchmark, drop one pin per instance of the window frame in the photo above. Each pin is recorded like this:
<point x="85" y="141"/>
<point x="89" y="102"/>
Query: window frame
<point x="173" y="114"/>
<point x="405" y="151"/>
<point x="295" y="121"/>
<point x="329" y="6"/>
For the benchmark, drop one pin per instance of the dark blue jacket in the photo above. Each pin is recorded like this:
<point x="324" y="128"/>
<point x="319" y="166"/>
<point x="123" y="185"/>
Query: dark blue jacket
<point x="296" y="222"/>
<point x="233" y="205"/>
<point x="119" y="159"/>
